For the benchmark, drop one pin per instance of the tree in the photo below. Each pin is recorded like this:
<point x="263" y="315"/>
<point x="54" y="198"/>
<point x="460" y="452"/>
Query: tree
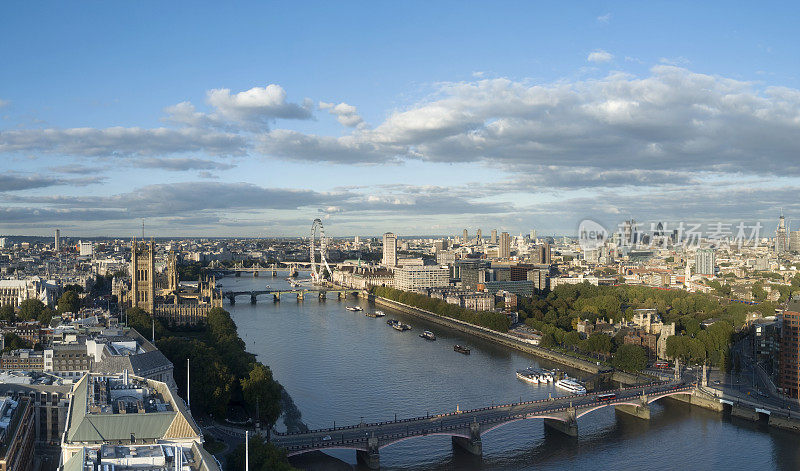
<point x="261" y="391"/>
<point x="69" y="302"/>
<point x="7" y="313"/>
<point x="630" y="358"/>
<point x="30" y="309"/>
<point x="599" y="342"/>
<point x="264" y="456"/>
<point x="143" y="323"/>
<point x="12" y="341"/>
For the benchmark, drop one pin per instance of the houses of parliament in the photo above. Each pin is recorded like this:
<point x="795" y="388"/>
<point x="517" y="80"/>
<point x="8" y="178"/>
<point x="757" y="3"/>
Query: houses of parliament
<point x="160" y="294"/>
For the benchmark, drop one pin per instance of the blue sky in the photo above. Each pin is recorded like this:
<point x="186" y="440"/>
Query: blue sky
<point x="223" y="120"/>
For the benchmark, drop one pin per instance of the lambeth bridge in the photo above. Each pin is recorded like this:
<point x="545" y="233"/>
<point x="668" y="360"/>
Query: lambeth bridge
<point x="466" y="427"/>
<point x="298" y="293"/>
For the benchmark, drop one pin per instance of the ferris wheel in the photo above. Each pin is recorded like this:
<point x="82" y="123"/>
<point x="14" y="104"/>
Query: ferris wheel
<point x="318" y="269"/>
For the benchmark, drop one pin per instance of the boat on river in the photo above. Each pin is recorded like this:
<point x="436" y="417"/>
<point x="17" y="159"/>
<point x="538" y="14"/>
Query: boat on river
<point x="354" y="308"/>
<point x="428" y="335"/>
<point x="401" y="327"/>
<point x="571" y="385"/>
<point x="461" y="349"/>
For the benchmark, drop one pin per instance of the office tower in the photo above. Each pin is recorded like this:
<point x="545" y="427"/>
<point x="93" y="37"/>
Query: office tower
<point x="480" y="235"/>
<point x="781" y="237"/>
<point x="505" y="245"/>
<point x="389" y="250"/>
<point x="533" y="234"/>
<point x="704" y="262"/>
<point x="493" y="239"/>
<point x="789" y="363"/>
<point x="541" y="254"/>
<point x="357" y="241"/>
<point x="794" y="241"/>
<point x="57" y="243"/>
<point x="465" y="237"/>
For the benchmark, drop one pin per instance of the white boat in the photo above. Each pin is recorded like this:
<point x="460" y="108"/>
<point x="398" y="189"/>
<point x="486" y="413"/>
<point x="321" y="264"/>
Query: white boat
<point x="379" y="313"/>
<point x="354" y="308"/>
<point x="528" y="377"/>
<point x="571" y="385"/>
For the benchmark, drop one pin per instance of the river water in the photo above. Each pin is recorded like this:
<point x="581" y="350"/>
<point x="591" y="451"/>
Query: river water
<point x="341" y="366"/>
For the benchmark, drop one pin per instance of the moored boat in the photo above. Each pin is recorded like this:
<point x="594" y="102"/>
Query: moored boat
<point x="571" y="385"/>
<point x="354" y="308"/>
<point x="461" y="349"/>
<point x="379" y="313"/>
<point x="428" y="335"/>
<point x="401" y="327"/>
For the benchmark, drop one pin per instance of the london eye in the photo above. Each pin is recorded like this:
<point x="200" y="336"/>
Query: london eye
<point x="317" y="243"/>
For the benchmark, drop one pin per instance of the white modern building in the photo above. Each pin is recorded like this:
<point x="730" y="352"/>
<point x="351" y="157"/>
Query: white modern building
<point x="412" y="278"/>
<point x="389" y="250"/>
<point x="705" y="262"/>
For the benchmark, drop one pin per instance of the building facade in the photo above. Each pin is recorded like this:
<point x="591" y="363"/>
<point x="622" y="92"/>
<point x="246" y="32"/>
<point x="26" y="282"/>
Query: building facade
<point x="389" y="250"/>
<point x="789" y="374"/>
<point x="705" y="262"/>
<point x="505" y="245"/>
<point x="413" y="278"/>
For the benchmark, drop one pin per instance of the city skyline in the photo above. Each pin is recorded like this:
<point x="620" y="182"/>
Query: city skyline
<point x="420" y="119"/>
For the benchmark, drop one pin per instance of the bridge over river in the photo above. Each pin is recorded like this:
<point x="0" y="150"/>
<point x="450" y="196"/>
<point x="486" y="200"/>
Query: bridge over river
<point x="299" y="293"/>
<point x="466" y="427"/>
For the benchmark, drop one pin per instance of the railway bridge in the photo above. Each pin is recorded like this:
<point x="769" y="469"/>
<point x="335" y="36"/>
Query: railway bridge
<point x="466" y="427"/>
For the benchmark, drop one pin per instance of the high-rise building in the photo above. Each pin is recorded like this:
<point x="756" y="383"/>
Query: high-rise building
<point x="794" y="241"/>
<point x="493" y="239"/>
<point x="389" y="250"/>
<point x="479" y="238"/>
<point x="533" y="234"/>
<point x="357" y="241"/>
<point x="2" y="242"/>
<point x="505" y="245"/>
<point x="541" y="254"/>
<point x="705" y="262"/>
<point x="57" y="242"/>
<point x="781" y="236"/>
<point x="789" y="368"/>
<point x="465" y="237"/>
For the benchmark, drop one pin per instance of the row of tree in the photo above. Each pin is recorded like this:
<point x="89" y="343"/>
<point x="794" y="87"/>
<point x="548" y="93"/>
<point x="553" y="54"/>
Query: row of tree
<point x="224" y="373"/>
<point x="492" y="320"/>
<point x="36" y="310"/>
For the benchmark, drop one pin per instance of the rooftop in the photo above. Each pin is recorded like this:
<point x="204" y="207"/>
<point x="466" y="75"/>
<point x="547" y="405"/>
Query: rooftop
<point x="111" y="408"/>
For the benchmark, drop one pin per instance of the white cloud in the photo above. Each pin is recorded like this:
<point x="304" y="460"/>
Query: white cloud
<point x="672" y="120"/>
<point x="4" y="103"/>
<point x="604" y="18"/>
<point x="259" y="105"/>
<point x="347" y="115"/>
<point x="121" y="142"/>
<point x="600" y="56"/>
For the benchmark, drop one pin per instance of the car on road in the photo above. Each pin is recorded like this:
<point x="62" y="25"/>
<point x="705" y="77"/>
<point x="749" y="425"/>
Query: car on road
<point x="716" y="381"/>
<point x="326" y="438"/>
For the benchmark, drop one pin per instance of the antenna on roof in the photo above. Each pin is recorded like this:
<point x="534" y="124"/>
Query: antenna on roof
<point x="142" y="228"/>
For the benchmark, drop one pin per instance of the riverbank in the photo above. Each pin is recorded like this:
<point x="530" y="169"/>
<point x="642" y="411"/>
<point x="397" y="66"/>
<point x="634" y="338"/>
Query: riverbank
<point x="502" y="339"/>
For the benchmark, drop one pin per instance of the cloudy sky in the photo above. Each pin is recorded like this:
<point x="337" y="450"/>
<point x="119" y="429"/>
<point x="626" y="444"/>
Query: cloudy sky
<point x="416" y="117"/>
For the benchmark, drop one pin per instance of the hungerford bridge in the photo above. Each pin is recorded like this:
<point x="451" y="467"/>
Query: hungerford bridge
<point x="466" y="427"/>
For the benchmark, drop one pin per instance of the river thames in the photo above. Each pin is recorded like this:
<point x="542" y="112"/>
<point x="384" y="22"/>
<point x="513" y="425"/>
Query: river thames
<point x="345" y="367"/>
